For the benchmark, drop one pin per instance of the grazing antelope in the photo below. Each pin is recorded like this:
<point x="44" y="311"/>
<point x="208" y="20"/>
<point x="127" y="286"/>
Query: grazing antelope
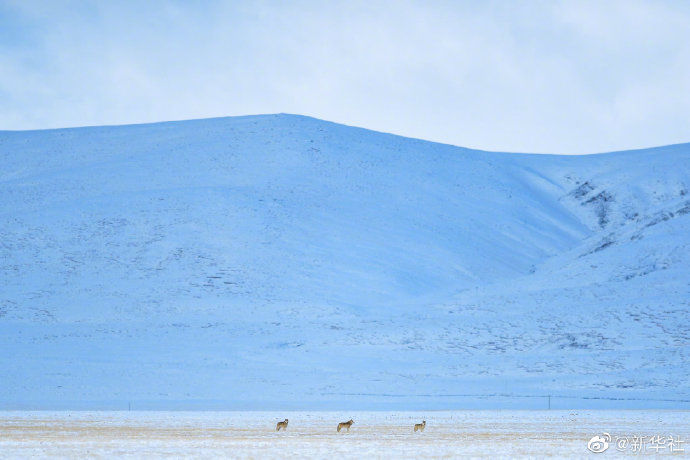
<point x="420" y="426"/>
<point x="347" y="425"/>
<point x="282" y="425"/>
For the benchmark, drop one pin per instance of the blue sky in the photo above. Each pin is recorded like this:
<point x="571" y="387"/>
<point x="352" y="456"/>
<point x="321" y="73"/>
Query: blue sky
<point x="561" y="77"/>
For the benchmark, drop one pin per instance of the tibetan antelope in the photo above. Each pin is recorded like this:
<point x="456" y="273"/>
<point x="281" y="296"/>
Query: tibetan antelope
<point x="420" y="426"/>
<point x="347" y="425"/>
<point x="282" y="425"/>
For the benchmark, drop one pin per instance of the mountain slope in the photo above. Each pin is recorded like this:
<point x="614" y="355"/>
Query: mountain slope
<point x="283" y="260"/>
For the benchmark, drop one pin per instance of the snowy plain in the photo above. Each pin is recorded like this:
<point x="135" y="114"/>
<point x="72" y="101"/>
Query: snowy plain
<point x="284" y="262"/>
<point x="469" y="434"/>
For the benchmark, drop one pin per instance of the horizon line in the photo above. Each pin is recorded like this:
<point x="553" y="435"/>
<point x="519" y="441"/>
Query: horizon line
<point x="297" y="115"/>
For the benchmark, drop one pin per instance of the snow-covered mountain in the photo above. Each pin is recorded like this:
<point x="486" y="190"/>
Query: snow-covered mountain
<point x="284" y="261"/>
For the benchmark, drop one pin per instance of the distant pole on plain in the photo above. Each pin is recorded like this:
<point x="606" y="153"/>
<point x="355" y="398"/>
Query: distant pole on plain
<point x="549" y="402"/>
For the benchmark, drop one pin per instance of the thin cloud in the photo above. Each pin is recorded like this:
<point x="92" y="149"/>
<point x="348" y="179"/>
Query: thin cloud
<point x="568" y="77"/>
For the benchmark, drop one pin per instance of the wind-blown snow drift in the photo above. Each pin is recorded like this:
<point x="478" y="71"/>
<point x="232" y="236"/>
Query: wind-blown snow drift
<point x="283" y="261"/>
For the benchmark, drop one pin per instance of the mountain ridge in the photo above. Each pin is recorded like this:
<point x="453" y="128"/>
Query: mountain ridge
<point x="309" y="117"/>
<point x="265" y="258"/>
